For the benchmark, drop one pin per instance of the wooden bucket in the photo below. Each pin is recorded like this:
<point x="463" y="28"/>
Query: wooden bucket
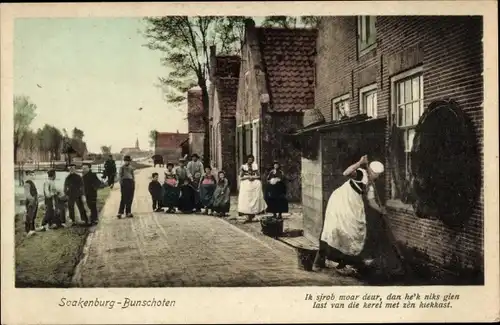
<point x="272" y="227"/>
<point x="305" y="258"/>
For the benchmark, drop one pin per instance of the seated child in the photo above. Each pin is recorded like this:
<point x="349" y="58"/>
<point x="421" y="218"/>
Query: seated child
<point x="170" y="189"/>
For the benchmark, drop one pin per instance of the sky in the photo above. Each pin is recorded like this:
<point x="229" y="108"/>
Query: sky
<point x="93" y="74"/>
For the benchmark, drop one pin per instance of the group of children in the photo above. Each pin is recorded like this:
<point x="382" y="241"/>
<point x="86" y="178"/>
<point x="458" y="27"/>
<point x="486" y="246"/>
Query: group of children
<point x="191" y="188"/>
<point x="79" y="190"/>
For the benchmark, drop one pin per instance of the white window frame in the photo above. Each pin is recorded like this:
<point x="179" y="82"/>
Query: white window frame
<point x="335" y="101"/>
<point x="366" y="43"/>
<point x="395" y="81"/>
<point x="363" y="92"/>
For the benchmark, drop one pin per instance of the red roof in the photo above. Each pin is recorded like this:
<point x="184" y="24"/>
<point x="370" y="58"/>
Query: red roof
<point x="166" y="140"/>
<point x="288" y="58"/>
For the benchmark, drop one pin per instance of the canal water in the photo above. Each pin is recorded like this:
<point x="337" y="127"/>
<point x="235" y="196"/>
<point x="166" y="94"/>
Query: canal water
<point x="40" y="177"/>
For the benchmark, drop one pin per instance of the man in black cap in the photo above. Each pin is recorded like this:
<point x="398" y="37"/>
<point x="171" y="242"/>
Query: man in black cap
<point x="110" y="171"/>
<point x="127" y="187"/>
<point x="91" y="184"/>
<point x="73" y="188"/>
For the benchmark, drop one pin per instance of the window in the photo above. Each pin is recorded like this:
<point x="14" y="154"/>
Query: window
<point x="367" y="35"/>
<point x="368" y="100"/>
<point x="408" y="105"/>
<point x="340" y="108"/>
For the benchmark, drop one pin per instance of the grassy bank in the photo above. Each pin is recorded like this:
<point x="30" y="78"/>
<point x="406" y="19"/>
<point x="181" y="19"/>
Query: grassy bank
<point x="49" y="259"/>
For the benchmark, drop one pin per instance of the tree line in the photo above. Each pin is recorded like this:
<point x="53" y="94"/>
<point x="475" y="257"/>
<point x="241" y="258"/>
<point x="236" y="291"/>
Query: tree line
<point x="48" y="142"/>
<point x="185" y="42"/>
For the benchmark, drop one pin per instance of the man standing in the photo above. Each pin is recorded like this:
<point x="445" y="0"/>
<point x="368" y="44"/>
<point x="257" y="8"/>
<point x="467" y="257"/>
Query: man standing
<point x="73" y="188"/>
<point x="127" y="187"/>
<point x="31" y="195"/>
<point x="195" y="166"/>
<point x="91" y="184"/>
<point x="110" y="171"/>
<point x="49" y="193"/>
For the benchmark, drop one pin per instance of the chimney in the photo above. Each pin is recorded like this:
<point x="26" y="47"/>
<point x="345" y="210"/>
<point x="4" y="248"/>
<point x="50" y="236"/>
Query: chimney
<point x="249" y="23"/>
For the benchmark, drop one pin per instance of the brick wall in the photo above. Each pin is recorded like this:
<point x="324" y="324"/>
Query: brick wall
<point x="275" y="145"/>
<point x="195" y="112"/>
<point x="228" y="150"/>
<point x="449" y="49"/>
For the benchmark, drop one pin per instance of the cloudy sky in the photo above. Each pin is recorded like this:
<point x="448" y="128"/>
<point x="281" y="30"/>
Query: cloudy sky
<point x="94" y="74"/>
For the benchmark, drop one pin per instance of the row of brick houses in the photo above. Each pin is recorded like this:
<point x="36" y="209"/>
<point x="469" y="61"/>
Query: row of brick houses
<point x="371" y="79"/>
<point x="375" y="75"/>
<point x="256" y="99"/>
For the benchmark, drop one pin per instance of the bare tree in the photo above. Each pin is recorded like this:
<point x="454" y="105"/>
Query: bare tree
<point x="185" y="41"/>
<point x="24" y="114"/>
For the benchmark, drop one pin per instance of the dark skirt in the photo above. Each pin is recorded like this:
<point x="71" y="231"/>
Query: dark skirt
<point x="207" y="194"/>
<point x="170" y="196"/>
<point x="222" y="200"/>
<point x="276" y="198"/>
<point x="187" y="198"/>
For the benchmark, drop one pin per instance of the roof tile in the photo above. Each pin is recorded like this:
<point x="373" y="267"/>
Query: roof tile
<point x="287" y="56"/>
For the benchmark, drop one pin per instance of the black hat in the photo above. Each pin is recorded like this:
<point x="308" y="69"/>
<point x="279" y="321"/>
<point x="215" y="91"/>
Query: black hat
<point x="195" y="155"/>
<point x="51" y="173"/>
<point x="127" y="158"/>
<point x="170" y="164"/>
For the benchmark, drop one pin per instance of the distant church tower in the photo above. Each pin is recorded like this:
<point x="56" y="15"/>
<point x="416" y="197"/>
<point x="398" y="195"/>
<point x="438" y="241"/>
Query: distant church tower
<point x="137" y="143"/>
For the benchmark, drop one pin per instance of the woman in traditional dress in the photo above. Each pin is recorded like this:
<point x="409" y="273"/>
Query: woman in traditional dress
<point x="276" y="200"/>
<point x="344" y="229"/>
<point x="207" y="188"/>
<point x="170" y="189"/>
<point x="222" y="195"/>
<point x="250" y="199"/>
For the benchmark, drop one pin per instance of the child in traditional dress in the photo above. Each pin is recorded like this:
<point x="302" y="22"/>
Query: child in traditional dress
<point x="170" y="189"/>
<point x="207" y="188"/>
<point x="196" y="185"/>
<point x="222" y="196"/>
<point x="155" y="189"/>
<point x="187" y="197"/>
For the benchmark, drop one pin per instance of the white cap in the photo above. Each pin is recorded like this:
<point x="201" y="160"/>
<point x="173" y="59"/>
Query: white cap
<point x="377" y="167"/>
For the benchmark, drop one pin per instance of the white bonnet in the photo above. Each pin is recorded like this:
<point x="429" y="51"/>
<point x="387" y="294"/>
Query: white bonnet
<point x="377" y="167"/>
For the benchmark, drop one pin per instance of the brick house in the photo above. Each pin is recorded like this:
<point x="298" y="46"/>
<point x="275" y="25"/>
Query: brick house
<point x="168" y="145"/>
<point x="379" y="74"/>
<point x="223" y="92"/>
<point x="276" y="85"/>
<point x="196" y="125"/>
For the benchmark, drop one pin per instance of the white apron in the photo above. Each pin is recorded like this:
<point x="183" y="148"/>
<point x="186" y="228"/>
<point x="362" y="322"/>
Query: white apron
<point x="345" y="221"/>
<point x="250" y="197"/>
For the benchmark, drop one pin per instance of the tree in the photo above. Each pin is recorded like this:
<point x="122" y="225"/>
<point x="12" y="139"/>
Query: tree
<point x="185" y="41"/>
<point x="106" y="150"/>
<point x="280" y="21"/>
<point x="50" y="140"/>
<point x="24" y="114"/>
<point x="291" y="21"/>
<point x="152" y="138"/>
<point x="77" y="134"/>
